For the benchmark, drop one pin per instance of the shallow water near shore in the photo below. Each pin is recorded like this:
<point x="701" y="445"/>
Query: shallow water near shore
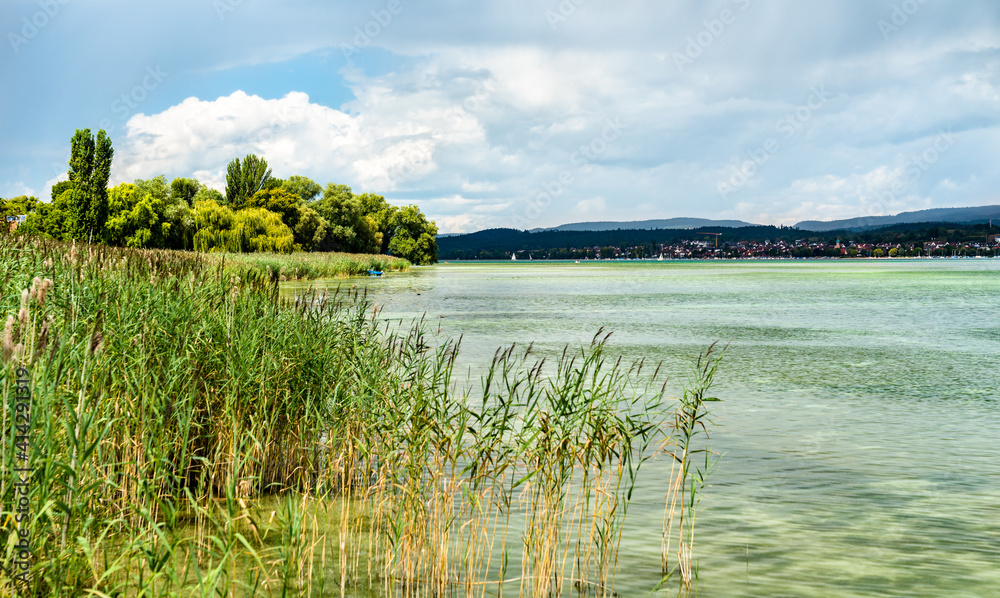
<point x="860" y="428"/>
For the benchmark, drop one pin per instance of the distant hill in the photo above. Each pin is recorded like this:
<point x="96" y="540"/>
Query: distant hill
<point x="501" y="242"/>
<point x="646" y="225"/>
<point x="953" y="215"/>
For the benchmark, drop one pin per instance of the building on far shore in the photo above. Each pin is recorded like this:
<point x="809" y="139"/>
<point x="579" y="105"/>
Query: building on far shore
<point x="15" y="221"/>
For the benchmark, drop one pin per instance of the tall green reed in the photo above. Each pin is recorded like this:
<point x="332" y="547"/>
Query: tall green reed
<point x="197" y="434"/>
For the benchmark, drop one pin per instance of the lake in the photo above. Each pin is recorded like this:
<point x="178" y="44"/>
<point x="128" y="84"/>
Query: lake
<point x="860" y="428"/>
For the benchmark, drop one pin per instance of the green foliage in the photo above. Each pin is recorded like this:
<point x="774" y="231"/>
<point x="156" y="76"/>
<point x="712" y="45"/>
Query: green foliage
<point x="309" y="266"/>
<point x="244" y="179"/>
<point x="250" y="229"/>
<point x="367" y="223"/>
<point x="311" y="230"/>
<point x="341" y="213"/>
<point x="412" y="236"/>
<point x="89" y="171"/>
<point x="53" y="219"/>
<point x="279" y="201"/>
<point x="18" y="206"/>
<point x="195" y="435"/>
<point x="136" y="217"/>
<point x="185" y="190"/>
<point x="302" y="186"/>
<point x="180" y="218"/>
<point x="208" y="193"/>
<point x="404" y="232"/>
<point x="60" y="188"/>
<point x="214" y="225"/>
<point x="261" y="230"/>
<point x="284" y="215"/>
<point x="352" y="224"/>
<point x="155" y="187"/>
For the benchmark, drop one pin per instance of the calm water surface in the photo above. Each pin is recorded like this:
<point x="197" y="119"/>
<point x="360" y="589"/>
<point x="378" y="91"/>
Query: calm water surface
<point x="860" y="428"/>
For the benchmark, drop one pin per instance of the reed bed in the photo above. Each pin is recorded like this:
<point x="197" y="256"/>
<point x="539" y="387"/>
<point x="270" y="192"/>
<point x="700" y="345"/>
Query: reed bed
<point x="311" y="266"/>
<point x="195" y="434"/>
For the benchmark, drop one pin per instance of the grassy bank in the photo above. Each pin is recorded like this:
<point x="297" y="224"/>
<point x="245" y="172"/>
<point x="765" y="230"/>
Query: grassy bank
<point x="190" y="433"/>
<point x="311" y="266"/>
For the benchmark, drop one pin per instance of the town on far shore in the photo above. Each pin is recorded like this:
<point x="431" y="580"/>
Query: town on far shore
<point x="902" y="241"/>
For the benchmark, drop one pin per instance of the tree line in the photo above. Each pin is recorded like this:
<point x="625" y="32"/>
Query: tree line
<point x="496" y="244"/>
<point x="257" y="213"/>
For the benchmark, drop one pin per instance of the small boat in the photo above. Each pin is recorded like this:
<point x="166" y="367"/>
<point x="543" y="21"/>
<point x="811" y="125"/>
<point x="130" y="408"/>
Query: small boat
<point x="513" y="257"/>
<point x="374" y="273"/>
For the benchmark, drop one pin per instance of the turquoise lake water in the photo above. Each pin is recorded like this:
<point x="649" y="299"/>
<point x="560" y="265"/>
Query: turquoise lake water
<point x="860" y="428"/>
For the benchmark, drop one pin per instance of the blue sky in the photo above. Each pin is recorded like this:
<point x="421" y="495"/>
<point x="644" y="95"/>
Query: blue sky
<point x="524" y="113"/>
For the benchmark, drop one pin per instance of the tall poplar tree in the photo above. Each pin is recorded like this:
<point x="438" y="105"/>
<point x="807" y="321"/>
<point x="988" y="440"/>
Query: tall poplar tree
<point x="244" y="180"/>
<point x="89" y="171"/>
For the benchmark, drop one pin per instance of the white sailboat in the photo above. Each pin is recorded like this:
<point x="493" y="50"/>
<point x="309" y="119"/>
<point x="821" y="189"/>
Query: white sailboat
<point x="513" y="257"/>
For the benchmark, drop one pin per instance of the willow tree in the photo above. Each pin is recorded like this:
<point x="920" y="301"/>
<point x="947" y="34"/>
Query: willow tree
<point x="89" y="171"/>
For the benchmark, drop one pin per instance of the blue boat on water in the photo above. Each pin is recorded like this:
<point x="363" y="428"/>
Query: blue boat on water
<point x="374" y="273"/>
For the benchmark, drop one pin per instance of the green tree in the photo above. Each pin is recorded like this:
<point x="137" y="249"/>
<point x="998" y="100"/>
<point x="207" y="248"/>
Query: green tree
<point x="250" y="229"/>
<point x="182" y="189"/>
<point x="173" y="205"/>
<point x="878" y="252"/>
<point x="412" y="236"/>
<point x="244" y="179"/>
<point x="380" y="213"/>
<point x="156" y="187"/>
<point x="304" y="187"/>
<point x="403" y="232"/>
<point x="19" y="206"/>
<point x="893" y="252"/>
<point x="341" y="213"/>
<point x="206" y="193"/>
<point x="180" y="216"/>
<point x="279" y="201"/>
<point x="89" y="171"/>
<point x="214" y="225"/>
<point x="135" y="218"/>
<point x="311" y="230"/>
<point x="55" y="218"/>
<point x="260" y="230"/>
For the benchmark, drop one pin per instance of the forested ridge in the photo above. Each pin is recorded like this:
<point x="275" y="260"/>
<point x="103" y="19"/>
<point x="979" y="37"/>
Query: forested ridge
<point x="732" y="242"/>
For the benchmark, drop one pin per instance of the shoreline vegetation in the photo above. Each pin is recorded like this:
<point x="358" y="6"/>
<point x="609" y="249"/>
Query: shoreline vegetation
<point x="194" y="433"/>
<point x="258" y="213"/>
<point x="308" y="266"/>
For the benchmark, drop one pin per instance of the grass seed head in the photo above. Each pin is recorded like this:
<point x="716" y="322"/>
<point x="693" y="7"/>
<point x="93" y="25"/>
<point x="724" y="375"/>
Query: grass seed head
<point x="8" y="339"/>
<point x="43" y="339"/>
<point x="43" y="290"/>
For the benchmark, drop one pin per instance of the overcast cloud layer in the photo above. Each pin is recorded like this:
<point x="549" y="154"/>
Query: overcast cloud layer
<point x="525" y="113"/>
